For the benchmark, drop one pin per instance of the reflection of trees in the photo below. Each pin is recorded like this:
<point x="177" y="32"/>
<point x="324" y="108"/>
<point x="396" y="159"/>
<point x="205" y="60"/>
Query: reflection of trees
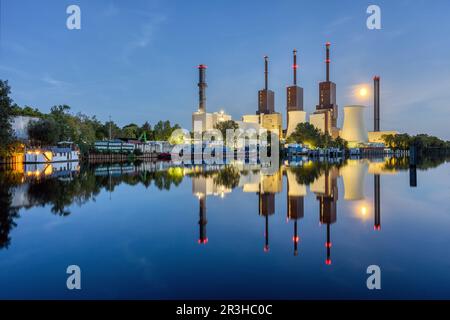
<point x="310" y="171"/>
<point x="432" y="161"/>
<point x="228" y="177"/>
<point x="424" y="162"/>
<point x="7" y="213"/>
<point x="60" y="194"/>
<point x="82" y="187"/>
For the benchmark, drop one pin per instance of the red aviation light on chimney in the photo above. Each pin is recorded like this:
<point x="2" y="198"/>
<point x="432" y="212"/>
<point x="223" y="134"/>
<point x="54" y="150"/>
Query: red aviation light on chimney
<point x="328" y="262"/>
<point x="328" y="44"/>
<point x="296" y="239"/>
<point x="266" y="249"/>
<point x="202" y="66"/>
<point x="203" y="241"/>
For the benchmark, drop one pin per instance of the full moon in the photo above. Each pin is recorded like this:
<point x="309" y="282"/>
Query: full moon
<point x="363" y="92"/>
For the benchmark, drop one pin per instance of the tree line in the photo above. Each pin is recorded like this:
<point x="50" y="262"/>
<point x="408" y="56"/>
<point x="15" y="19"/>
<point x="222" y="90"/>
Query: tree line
<point x="403" y="141"/>
<point x="60" y="124"/>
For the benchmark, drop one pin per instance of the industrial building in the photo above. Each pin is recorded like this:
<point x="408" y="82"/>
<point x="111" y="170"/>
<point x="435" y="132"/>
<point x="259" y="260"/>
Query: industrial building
<point x="201" y="120"/>
<point x="294" y="102"/>
<point x="266" y="117"/>
<point x="326" y="114"/>
<point x="324" y="117"/>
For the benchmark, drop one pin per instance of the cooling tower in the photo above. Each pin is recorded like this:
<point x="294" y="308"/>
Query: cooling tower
<point x="354" y="130"/>
<point x="353" y="174"/>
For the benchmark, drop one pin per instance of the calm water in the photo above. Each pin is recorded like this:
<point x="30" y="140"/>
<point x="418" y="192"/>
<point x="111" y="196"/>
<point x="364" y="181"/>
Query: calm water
<point x="308" y="230"/>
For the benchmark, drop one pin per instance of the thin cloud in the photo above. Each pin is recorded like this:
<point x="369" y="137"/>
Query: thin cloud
<point x="146" y="35"/>
<point x="54" y="82"/>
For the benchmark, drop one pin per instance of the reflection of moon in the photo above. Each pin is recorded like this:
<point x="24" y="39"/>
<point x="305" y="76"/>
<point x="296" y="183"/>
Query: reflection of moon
<point x="353" y="175"/>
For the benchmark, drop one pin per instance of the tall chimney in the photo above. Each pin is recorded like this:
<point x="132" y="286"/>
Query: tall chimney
<point x="202" y="88"/>
<point x="328" y="60"/>
<point x="294" y="67"/>
<point x="376" y="104"/>
<point x="266" y="72"/>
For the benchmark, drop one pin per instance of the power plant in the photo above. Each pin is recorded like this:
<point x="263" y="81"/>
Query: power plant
<point x="323" y="118"/>
<point x="326" y="114"/>
<point x="294" y="102"/>
<point x="266" y="97"/>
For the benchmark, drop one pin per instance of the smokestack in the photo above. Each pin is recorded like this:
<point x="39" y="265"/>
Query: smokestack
<point x="202" y="88"/>
<point x="266" y="72"/>
<point x="376" y="104"/>
<point x="328" y="60"/>
<point x="294" y="67"/>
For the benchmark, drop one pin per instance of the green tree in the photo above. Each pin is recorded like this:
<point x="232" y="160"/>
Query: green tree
<point x="27" y="111"/>
<point x="65" y="122"/>
<point x="306" y="133"/>
<point x="147" y="130"/>
<point x="223" y="126"/>
<point x="163" y="130"/>
<point x="6" y="113"/>
<point x="130" y="131"/>
<point x="44" y="132"/>
<point x="115" y="130"/>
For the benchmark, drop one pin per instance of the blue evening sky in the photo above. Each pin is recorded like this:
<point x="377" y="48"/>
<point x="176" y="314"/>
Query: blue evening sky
<point x="136" y="60"/>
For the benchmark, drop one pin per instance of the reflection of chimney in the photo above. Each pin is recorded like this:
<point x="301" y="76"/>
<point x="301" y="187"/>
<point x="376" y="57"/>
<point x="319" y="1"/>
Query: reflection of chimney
<point x="295" y="211"/>
<point x="266" y="208"/>
<point x="328" y="245"/>
<point x="202" y="88"/>
<point x="376" y="103"/>
<point x="203" y="239"/>
<point x="377" y="222"/>
<point x="413" y="158"/>
<point x="296" y="238"/>
<point x="295" y="206"/>
<point x="266" y="235"/>
<point x="328" y="210"/>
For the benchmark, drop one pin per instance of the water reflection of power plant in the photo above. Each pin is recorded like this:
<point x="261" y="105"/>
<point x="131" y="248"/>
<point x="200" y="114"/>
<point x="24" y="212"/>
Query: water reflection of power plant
<point x="322" y="181"/>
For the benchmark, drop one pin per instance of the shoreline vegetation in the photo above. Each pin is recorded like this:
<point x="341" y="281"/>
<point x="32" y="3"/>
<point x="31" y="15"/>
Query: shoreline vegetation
<point x="60" y="124"/>
<point x="83" y="130"/>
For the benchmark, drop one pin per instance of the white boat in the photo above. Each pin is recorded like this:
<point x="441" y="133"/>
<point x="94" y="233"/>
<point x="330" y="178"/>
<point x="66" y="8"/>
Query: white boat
<point x="63" y="152"/>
